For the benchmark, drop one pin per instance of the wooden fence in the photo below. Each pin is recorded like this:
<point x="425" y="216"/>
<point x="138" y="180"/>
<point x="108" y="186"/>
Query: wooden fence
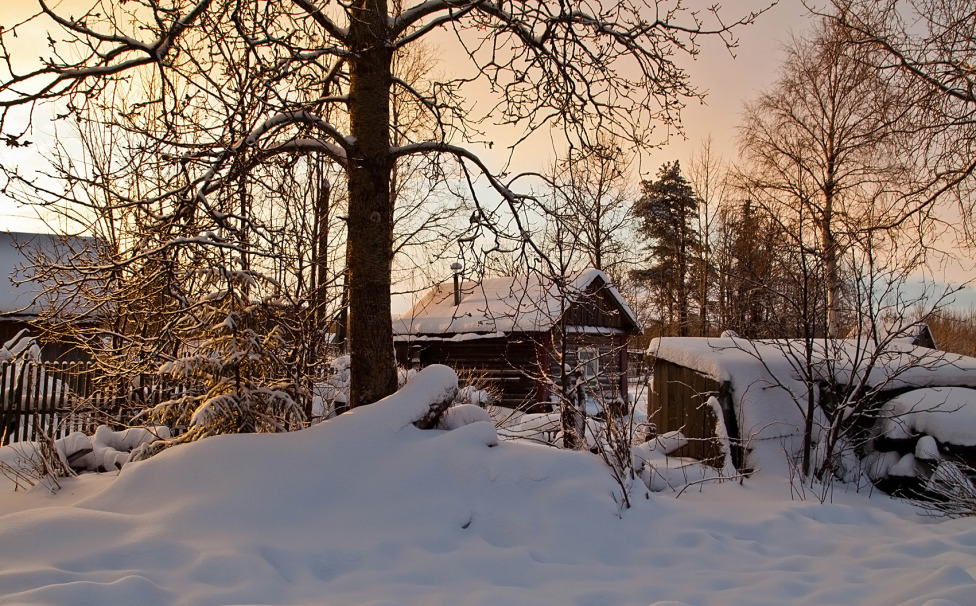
<point x="57" y="398"/>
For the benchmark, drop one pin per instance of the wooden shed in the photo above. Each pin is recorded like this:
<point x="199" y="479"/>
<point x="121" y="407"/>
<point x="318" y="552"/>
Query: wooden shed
<point x="756" y="387"/>
<point x="514" y="332"/>
<point x="678" y="401"/>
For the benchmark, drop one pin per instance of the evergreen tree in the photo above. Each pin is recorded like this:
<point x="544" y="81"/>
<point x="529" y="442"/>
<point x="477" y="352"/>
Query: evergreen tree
<point x="665" y="211"/>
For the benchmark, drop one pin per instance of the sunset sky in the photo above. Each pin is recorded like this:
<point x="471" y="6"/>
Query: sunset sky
<point x="729" y="82"/>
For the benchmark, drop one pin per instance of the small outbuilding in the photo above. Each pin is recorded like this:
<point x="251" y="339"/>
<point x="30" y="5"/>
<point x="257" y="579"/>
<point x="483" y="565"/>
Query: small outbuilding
<point x="750" y="395"/>
<point x="514" y="332"/>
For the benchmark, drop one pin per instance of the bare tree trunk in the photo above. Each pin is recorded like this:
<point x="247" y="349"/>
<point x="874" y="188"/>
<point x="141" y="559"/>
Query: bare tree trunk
<point x="830" y="248"/>
<point x="683" y="286"/>
<point x="320" y="257"/>
<point x="833" y="284"/>
<point x="370" y="239"/>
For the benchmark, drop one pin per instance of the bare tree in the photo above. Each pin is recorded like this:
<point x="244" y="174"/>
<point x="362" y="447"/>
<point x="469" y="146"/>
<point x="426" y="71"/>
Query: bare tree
<point x="590" y="202"/>
<point x="707" y="175"/>
<point x="829" y="159"/>
<point x="222" y="87"/>
<point x="825" y="142"/>
<point x="744" y="259"/>
<point x="839" y="385"/>
<point x="925" y="47"/>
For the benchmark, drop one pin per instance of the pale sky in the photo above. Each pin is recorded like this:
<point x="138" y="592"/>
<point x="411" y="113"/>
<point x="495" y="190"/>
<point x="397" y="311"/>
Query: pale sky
<point x="729" y="82"/>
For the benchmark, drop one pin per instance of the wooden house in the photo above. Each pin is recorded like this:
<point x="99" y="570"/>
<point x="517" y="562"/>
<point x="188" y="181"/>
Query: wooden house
<point x="23" y="299"/>
<point x="514" y="333"/>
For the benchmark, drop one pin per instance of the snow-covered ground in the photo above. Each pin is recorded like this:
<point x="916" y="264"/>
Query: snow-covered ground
<point x="367" y="509"/>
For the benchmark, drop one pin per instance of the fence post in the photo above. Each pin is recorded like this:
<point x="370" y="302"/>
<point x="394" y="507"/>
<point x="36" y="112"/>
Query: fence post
<point x="7" y="418"/>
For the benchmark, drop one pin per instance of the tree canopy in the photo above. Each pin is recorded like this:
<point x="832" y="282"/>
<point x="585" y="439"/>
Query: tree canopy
<point x="210" y="95"/>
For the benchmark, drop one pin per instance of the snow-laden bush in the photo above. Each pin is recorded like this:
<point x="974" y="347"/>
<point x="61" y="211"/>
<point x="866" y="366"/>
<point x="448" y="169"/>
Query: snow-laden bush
<point x="332" y="394"/>
<point x="235" y="376"/>
<point x="20" y="347"/>
<point x="950" y="491"/>
<point x="108" y="450"/>
<point x="29" y="464"/>
<point x="459" y="415"/>
<point x="660" y="471"/>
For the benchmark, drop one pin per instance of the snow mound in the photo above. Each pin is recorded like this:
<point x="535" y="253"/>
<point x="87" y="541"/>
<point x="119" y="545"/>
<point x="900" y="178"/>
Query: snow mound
<point x="366" y="508"/>
<point x="947" y="414"/>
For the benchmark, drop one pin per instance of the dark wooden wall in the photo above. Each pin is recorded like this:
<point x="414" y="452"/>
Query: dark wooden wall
<point x="509" y="366"/>
<point x="612" y="375"/>
<point x="51" y="351"/>
<point x="676" y="402"/>
<point x="597" y="309"/>
<point x="514" y="365"/>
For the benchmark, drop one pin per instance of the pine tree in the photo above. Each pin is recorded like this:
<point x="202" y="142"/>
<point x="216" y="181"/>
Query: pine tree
<point x="665" y="211"/>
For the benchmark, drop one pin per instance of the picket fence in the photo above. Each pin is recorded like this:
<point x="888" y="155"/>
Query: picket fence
<point x="57" y="398"/>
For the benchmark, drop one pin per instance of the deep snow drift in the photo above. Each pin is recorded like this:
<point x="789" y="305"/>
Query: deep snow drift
<point x="368" y="509"/>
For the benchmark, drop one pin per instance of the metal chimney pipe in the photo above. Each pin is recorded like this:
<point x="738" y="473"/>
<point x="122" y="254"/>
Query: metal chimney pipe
<point x="456" y="267"/>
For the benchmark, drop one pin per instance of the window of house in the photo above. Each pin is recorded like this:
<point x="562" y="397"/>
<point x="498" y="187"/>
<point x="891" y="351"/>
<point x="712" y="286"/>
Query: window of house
<point x="589" y="362"/>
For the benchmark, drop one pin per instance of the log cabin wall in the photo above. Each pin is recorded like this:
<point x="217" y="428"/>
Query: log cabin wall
<point x="612" y="354"/>
<point x="524" y="366"/>
<point x="508" y="365"/>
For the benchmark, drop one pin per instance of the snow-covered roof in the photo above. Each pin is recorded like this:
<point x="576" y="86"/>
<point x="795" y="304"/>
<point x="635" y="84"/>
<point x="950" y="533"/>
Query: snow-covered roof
<point x="21" y="297"/>
<point x="504" y="305"/>
<point x="766" y="386"/>
<point x="912" y="333"/>
<point x="900" y="364"/>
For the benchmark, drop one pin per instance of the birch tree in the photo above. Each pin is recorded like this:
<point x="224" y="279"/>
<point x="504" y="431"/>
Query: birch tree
<point x="926" y="48"/>
<point x="825" y="145"/>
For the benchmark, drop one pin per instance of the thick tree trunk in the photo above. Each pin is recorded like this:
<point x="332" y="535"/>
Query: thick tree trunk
<point x="369" y="246"/>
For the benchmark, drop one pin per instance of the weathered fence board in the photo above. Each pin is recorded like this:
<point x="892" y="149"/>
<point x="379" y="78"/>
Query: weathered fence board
<point x="59" y="398"/>
<point x="36" y="398"/>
